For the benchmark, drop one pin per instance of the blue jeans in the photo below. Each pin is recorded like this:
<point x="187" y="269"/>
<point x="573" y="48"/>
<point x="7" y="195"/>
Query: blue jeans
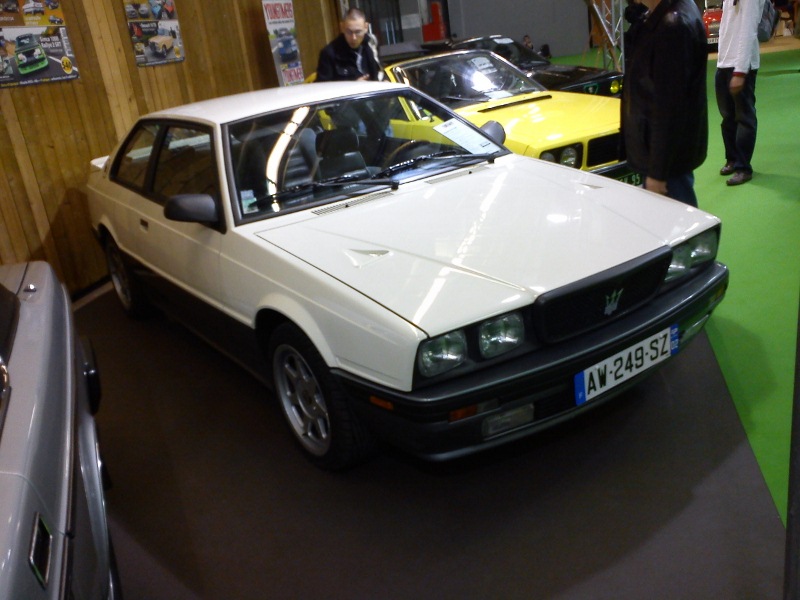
<point x="739" y="122"/>
<point x="681" y="187"/>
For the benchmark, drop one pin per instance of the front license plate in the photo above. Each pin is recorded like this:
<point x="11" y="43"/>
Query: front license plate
<point x="617" y="369"/>
<point x="621" y="172"/>
<point x="631" y="178"/>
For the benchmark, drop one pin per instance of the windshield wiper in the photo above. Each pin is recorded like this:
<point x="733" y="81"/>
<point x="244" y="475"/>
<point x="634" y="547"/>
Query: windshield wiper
<point x="442" y="154"/>
<point x="342" y="180"/>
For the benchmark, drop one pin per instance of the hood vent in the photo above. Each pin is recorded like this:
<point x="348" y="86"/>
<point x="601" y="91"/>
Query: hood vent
<point x="348" y="203"/>
<point x="455" y="174"/>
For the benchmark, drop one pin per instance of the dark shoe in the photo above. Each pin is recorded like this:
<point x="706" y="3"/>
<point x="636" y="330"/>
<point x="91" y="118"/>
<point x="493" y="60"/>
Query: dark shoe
<point x="727" y="169"/>
<point x="739" y="178"/>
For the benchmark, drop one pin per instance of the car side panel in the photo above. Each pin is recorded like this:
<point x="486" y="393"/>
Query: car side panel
<point x="49" y="467"/>
<point x="192" y="258"/>
<point x="109" y="207"/>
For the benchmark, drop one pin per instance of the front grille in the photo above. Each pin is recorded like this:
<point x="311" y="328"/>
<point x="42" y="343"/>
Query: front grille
<point x="604" y="150"/>
<point x="600" y="299"/>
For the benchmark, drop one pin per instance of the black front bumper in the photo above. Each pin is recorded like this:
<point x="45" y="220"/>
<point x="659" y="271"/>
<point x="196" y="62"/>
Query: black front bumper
<point x="535" y="391"/>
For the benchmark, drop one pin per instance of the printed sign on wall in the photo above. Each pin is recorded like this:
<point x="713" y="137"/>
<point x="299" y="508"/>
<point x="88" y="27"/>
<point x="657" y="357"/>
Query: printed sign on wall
<point x="155" y="32"/>
<point x="34" y="45"/>
<point x="283" y="44"/>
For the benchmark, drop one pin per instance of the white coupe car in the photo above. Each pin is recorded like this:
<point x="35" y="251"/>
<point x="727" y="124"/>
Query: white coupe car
<point x="395" y="272"/>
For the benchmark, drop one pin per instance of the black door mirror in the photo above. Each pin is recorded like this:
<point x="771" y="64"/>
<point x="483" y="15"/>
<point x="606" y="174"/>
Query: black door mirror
<point x="192" y="208"/>
<point x="495" y="131"/>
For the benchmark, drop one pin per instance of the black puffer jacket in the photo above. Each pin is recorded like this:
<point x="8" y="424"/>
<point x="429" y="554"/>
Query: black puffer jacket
<point x="664" y="102"/>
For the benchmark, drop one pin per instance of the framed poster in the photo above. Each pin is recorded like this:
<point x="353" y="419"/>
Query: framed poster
<point x="154" y="31"/>
<point x="34" y="44"/>
<point x="279" y="17"/>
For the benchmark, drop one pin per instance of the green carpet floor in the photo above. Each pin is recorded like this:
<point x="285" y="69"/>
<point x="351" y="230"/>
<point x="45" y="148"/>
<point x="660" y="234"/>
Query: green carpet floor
<point x="754" y="331"/>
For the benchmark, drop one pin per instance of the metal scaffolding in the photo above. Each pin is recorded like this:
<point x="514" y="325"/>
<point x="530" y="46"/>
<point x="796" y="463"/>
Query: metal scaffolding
<point x="608" y="22"/>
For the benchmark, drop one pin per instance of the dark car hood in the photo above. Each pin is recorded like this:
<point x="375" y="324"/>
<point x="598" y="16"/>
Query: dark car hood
<point x="559" y="77"/>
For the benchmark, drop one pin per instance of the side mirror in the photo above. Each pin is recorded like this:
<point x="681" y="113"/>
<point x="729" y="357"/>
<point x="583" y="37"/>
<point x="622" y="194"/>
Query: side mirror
<point x="192" y="208"/>
<point x="495" y="131"/>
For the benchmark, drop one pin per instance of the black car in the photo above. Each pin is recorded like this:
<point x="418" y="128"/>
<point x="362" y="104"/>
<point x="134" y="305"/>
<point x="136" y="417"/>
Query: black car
<point x="568" y="78"/>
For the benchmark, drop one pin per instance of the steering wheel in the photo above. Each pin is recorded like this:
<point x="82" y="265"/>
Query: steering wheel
<point x="405" y="147"/>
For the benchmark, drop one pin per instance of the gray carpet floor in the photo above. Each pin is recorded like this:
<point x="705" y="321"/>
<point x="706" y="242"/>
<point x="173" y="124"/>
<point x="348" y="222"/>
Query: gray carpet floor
<point x="656" y="495"/>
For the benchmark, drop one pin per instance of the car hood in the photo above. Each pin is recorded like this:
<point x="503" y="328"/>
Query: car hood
<point x="557" y="77"/>
<point x="549" y="119"/>
<point x="449" y="250"/>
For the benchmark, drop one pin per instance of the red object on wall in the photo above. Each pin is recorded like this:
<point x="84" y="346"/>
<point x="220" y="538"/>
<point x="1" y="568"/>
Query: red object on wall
<point x="435" y="30"/>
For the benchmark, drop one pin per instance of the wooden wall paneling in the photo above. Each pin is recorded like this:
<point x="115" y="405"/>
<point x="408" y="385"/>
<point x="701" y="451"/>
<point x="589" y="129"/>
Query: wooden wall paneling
<point x="231" y="55"/>
<point x="242" y="20"/>
<point x="197" y="51"/>
<point x="91" y="108"/>
<point x="44" y="190"/>
<point x="33" y="216"/>
<point x="317" y="24"/>
<point x="13" y="244"/>
<point x="256" y="46"/>
<point x="106" y="20"/>
<point x="67" y="217"/>
<point x="94" y="134"/>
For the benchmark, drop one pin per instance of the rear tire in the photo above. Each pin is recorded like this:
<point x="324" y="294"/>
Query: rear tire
<point x="317" y="410"/>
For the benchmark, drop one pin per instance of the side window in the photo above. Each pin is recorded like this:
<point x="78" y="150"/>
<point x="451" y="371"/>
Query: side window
<point x="185" y="164"/>
<point x="131" y="169"/>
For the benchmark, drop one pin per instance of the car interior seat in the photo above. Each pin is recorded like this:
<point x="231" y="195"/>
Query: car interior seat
<point x="301" y="162"/>
<point x="250" y="160"/>
<point x="339" y="155"/>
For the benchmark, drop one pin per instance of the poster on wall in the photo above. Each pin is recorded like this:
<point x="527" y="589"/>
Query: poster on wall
<point x="283" y="44"/>
<point x="154" y="31"/>
<point x="34" y="45"/>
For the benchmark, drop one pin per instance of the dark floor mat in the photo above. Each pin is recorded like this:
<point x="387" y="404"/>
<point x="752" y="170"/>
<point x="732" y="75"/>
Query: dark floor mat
<point x="655" y="496"/>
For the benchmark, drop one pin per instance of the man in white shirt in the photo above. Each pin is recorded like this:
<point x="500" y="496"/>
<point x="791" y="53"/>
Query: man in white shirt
<point x="735" y="85"/>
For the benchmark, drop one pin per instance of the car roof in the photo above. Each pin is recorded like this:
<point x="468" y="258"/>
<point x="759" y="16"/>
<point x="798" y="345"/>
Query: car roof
<point x="227" y="109"/>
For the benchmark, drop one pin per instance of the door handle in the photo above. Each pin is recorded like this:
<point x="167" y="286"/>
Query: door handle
<point x="144" y="224"/>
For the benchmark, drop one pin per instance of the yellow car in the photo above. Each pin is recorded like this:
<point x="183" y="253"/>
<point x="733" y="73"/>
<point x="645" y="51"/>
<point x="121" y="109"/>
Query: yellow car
<point x="576" y="130"/>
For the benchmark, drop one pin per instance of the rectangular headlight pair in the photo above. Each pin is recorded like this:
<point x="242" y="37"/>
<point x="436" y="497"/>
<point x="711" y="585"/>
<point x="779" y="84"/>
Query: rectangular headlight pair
<point x="495" y="337"/>
<point x="700" y="249"/>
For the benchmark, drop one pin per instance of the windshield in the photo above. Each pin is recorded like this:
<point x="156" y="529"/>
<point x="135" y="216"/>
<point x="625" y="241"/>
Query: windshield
<point x="465" y="78"/>
<point x="513" y="51"/>
<point x="317" y="154"/>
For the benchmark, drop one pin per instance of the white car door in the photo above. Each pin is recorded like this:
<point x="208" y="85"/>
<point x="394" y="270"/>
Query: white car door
<point x="186" y="254"/>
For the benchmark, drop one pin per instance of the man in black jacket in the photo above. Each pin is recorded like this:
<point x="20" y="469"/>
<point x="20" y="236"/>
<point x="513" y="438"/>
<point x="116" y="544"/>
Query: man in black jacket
<point x="664" y="103"/>
<point x="353" y="56"/>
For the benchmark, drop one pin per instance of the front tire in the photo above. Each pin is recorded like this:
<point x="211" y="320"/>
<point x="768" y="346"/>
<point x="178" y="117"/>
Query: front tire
<point x="125" y="284"/>
<point x="317" y="410"/>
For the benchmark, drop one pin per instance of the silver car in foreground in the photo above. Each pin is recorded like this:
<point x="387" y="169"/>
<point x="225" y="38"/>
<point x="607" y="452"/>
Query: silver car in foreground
<point x="54" y="540"/>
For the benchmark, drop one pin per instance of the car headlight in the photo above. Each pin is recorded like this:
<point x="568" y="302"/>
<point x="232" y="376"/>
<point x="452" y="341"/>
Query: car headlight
<point x="21" y="58"/>
<point x="442" y="353"/>
<point x="569" y="157"/>
<point x="616" y="86"/>
<point x="700" y="249"/>
<point x="500" y="335"/>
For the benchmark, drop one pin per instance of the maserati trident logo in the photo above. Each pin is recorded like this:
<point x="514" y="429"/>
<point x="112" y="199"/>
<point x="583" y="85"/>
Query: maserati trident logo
<point x="612" y="302"/>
